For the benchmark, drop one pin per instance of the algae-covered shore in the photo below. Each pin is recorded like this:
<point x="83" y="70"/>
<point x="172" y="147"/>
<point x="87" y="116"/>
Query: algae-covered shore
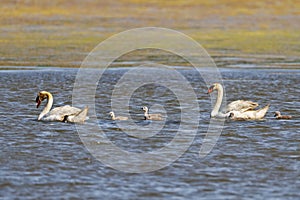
<point x="63" y="32"/>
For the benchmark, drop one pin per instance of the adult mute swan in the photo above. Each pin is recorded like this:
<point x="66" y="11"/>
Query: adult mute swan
<point x="63" y="113"/>
<point x="148" y="116"/>
<point x="113" y="117"/>
<point x="237" y="110"/>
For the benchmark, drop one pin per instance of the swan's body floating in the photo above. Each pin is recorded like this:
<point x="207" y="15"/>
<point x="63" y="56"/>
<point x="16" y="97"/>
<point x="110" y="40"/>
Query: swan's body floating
<point x="236" y="110"/>
<point x="63" y="113"/>
<point x="148" y="116"/>
<point x="279" y="116"/>
<point x="113" y="117"/>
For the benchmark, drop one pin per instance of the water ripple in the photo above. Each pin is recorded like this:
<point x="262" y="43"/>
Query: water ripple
<point x="251" y="160"/>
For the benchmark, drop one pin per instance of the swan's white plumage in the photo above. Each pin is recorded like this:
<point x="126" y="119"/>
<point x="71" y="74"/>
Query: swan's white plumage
<point x="250" y="114"/>
<point x="58" y="113"/>
<point x="63" y="113"/>
<point x="241" y="105"/>
<point x="77" y="117"/>
<point x="113" y="117"/>
<point x="237" y="110"/>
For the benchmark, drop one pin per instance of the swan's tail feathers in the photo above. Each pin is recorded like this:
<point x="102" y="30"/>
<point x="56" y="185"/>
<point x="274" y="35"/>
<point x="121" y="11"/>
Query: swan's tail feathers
<point x="262" y="112"/>
<point x="251" y="105"/>
<point x="79" y="117"/>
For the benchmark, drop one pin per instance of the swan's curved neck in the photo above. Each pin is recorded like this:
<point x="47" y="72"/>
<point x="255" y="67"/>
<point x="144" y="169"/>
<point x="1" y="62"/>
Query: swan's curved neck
<point x="146" y="114"/>
<point x="217" y="106"/>
<point x="48" y="106"/>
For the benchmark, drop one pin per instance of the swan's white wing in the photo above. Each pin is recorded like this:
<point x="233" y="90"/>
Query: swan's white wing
<point x="250" y="114"/>
<point x="58" y="114"/>
<point x="65" y="110"/>
<point x="241" y="105"/>
<point x="53" y="118"/>
<point x="79" y="117"/>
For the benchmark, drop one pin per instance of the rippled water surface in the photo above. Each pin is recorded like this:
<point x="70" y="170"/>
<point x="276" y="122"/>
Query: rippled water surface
<point x="254" y="159"/>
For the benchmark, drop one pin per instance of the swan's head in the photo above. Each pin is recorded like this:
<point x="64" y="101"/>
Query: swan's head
<point x="145" y="108"/>
<point x="277" y="113"/>
<point x="111" y="113"/>
<point x="231" y="115"/>
<point x="40" y="97"/>
<point x="212" y="88"/>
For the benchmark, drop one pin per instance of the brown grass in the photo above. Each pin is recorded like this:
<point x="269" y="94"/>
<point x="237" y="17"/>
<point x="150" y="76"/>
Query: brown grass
<point x="62" y="32"/>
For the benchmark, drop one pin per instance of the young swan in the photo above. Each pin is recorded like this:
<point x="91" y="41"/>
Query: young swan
<point x="279" y="116"/>
<point x="147" y="116"/>
<point x="113" y="117"/>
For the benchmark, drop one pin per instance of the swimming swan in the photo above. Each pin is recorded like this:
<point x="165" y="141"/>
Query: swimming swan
<point x="113" y="117"/>
<point x="148" y="116"/>
<point x="236" y="110"/>
<point x="64" y="113"/>
<point x="279" y="116"/>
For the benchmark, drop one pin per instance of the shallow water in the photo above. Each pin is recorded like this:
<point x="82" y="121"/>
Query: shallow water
<point x="251" y="160"/>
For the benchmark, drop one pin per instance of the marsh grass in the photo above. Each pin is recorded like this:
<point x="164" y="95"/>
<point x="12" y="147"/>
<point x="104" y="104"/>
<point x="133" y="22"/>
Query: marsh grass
<point x="62" y="33"/>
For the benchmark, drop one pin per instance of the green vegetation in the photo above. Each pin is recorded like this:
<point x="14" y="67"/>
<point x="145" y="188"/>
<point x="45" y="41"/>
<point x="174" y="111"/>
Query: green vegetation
<point x="63" y="32"/>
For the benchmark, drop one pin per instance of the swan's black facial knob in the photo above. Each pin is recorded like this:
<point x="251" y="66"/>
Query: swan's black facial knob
<point x="38" y="101"/>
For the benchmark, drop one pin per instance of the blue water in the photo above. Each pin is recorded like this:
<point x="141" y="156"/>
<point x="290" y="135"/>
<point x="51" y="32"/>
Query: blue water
<point x="251" y="160"/>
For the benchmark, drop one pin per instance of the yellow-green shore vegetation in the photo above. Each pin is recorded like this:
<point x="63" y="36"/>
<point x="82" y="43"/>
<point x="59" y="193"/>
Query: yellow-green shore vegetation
<point x="63" y="32"/>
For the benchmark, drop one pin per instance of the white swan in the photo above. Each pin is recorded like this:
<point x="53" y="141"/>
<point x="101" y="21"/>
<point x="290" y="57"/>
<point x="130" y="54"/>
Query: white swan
<point x="113" y="117"/>
<point x="237" y="110"/>
<point x="148" y="116"/>
<point x="63" y="113"/>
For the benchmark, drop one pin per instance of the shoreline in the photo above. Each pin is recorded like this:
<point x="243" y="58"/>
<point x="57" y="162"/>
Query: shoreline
<point x="224" y="61"/>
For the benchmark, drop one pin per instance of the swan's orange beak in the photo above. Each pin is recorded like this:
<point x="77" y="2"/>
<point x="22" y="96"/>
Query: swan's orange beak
<point x="38" y="101"/>
<point x="210" y="89"/>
